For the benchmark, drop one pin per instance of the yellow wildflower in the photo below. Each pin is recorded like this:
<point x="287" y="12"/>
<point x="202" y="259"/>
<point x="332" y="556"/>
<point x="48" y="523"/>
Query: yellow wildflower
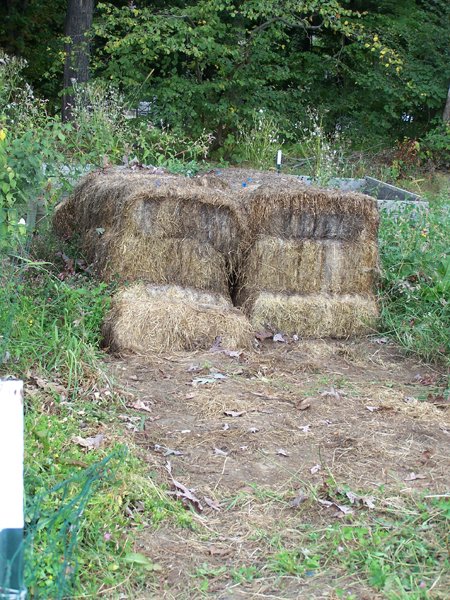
<point x="2" y="135"/>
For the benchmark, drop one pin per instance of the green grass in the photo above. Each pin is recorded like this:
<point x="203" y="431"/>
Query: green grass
<point x="83" y="507"/>
<point x="400" y="550"/>
<point x="414" y="290"/>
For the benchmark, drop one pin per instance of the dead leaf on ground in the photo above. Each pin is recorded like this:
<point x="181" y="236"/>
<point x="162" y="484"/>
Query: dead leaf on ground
<point x="373" y="408"/>
<point x="140" y="405"/>
<point x="90" y="443"/>
<point x="304" y="404"/>
<point x="211" y="503"/>
<point x="425" y="379"/>
<point x="167" y="451"/>
<point x="278" y="337"/>
<point x="181" y="492"/>
<point x="346" y="510"/>
<point x="263" y="335"/>
<point x="413" y="476"/>
<point x="220" y="452"/>
<point x="315" y="469"/>
<point x="233" y="413"/>
<point x="299" y="499"/>
<point x="282" y="452"/>
<point x="211" y="378"/>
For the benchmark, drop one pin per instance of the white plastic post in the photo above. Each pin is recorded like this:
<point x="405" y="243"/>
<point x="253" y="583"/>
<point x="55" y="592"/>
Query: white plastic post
<point x="279" y="161"/>
<point x="11" y="490"/>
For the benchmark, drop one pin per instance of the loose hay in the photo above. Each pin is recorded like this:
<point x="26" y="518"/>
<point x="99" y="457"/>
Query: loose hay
<point x="147" y="319"/>
<point x="315" y="315"/>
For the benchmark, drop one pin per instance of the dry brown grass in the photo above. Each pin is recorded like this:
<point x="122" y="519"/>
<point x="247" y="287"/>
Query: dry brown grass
<point x="314" y="315"/>
<point x="146" y="319"/>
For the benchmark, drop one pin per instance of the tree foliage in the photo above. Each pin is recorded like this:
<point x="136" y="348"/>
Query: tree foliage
<point x="372" y="67"/>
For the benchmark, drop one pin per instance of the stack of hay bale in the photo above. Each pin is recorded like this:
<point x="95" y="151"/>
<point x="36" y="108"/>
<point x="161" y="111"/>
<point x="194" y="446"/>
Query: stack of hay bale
<point x="311" y="266"/>
<point x="201" y="258"/>
<point x="175" y="241"/>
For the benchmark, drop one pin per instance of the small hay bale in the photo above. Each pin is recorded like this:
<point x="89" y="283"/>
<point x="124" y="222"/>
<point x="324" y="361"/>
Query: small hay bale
<point x="145" y="319"/>
<point x="314" y="315"/>
<point x="313" y="213"/>
<point x="309" y="266"/>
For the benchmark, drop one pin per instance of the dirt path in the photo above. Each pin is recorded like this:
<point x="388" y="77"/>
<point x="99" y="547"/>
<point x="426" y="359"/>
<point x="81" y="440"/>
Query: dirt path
<point x="265" y="441"/>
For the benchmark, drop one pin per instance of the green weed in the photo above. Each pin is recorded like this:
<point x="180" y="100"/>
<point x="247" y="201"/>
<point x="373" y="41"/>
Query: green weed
<point x="415" y="283"/>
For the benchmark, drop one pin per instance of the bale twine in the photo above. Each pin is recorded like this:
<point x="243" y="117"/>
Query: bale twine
<point x="145" y="319"/>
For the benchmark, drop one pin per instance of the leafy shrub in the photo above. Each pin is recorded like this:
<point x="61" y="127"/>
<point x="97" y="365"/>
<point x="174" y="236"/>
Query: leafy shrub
<point x="415" y="285"/>
<point x="435" y="146"/>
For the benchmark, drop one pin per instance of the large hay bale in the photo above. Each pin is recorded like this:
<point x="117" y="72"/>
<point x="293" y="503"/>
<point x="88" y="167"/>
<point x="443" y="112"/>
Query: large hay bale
<point x="165" y="229"/>
<point x="309" y="266"/>
<point x="314" y="315"/>
<point x="146" y="319"/>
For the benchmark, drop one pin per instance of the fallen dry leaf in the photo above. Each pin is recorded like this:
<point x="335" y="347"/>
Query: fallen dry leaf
<point x="211" y="503"/>
<point x="220" y="452"/>
<point x="299" y="499"/>
<point x="233" y="413"/>
<point x="140" y="405"/>
<point x="282" y="452"/>
<point x="372" y="408"/>
<point x="413" y="476"/>
<point x="304" y="404"/>
<point x="263" y="335"/>
<point x="186" y="495"/>
<point x="90" y="443"/>
<point x="278" y="337"/>
<point x="167" y="451"/>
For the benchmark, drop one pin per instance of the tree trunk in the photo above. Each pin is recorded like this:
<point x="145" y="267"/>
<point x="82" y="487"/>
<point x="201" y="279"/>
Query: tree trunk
<point x="446" y="115"/>
<point x="77" y="50"/>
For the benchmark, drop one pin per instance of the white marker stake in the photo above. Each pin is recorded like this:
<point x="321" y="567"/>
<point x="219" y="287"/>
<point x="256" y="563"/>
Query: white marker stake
<point x="11" y="489"/>
<point x="279" y="161"/>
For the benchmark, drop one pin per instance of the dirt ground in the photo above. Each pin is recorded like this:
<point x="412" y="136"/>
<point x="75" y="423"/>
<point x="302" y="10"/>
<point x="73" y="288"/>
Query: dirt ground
<point x="262" y="439"/>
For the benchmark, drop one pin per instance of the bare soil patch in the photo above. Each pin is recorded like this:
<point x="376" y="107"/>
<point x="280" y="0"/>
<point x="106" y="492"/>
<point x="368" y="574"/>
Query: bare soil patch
<point x="264" y="439"/>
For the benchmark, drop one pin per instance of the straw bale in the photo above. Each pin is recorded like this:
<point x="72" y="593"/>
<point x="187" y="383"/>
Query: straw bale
<point x="165" y="261"/>
<point x="164" y="206"/>
<point x="314" y="315"/>
<point x="164" y="229"/>
<point x="309" y="266"/>
<point x="313" y="213"/>
<point x="147" y="319"/>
